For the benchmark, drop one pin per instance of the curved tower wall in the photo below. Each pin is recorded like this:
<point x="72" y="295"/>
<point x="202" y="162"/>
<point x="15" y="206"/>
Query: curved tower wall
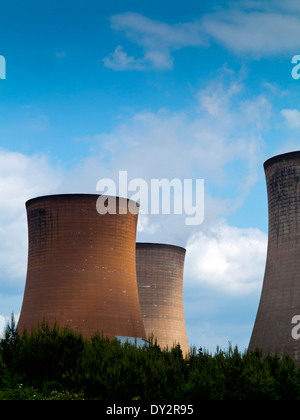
<point x="280" y="297"/>
<point x="160" y="283"/>
<point x="81" y="267"/>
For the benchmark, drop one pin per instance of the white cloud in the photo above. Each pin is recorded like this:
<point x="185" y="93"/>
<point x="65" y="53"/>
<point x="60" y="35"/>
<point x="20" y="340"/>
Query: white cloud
<point x="267" y="5"/>
<point x="260" y="34"/>
<point x="251" y="28"/>
<point x="216" y="99"/>
<point x="224" y="130"/>
<point x="292" y="117"/>
<point x="289" y="5"/>
<point x="119" y="60"/>
<point x="155" y="34"/>
<point x="227" y="258"/>
<point x="21" y="178"/>
<point x="157" y="40"/>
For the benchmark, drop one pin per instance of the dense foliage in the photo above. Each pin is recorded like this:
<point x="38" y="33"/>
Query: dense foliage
<point x="54" y="364"/>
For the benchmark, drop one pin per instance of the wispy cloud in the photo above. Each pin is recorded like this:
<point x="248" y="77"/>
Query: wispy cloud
<point x="157" y="40"/>
<point x="253" y="29"/>
<point x="292" y="117"/>
<point x="259" y="34"/>
<point x="119" y="60"/>
<point x="256" y="28"/>
<point x="223" y="131"/>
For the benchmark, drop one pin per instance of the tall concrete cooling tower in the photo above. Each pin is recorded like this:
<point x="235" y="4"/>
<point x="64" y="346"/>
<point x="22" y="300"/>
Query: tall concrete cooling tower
<point x="81" y="267"/>
<point x="160" y="283"/>
<point x="280" y="298"/>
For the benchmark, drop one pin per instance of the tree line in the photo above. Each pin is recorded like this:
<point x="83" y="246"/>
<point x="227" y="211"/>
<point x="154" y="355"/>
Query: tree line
<point x="56" y="363"/>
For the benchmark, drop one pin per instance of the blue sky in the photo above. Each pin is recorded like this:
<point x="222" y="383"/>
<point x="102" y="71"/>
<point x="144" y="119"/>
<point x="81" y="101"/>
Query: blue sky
<point x="161" y="89"/>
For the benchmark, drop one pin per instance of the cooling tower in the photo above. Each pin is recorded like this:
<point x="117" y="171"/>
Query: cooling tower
<point x="160" y="284"/>
<point x="280" y="297"/>
<point x="81" y="267"/>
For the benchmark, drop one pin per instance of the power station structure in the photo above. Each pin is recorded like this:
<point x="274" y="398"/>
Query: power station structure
<point x="82" y="267"/>
<point x="160" y="270"/>
<point x="279" y="307"/>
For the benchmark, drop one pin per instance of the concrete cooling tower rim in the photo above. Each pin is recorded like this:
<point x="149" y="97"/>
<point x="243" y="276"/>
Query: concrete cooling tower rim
<point x="78" y="195"/>
<point x="282" y="158"/>
<point x="158" y="245"/>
